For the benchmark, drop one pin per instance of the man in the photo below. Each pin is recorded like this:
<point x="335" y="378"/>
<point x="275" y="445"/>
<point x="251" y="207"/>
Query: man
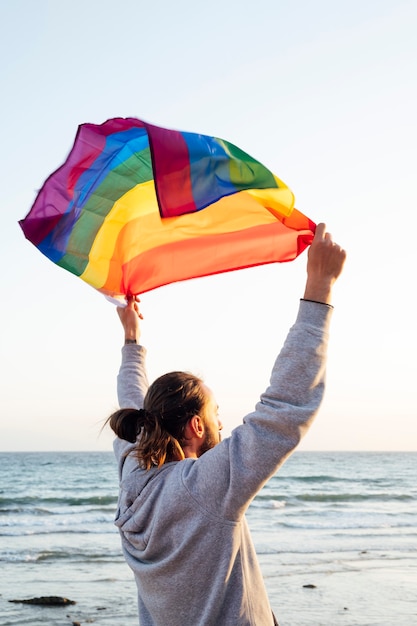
<point x="184" y="493"/>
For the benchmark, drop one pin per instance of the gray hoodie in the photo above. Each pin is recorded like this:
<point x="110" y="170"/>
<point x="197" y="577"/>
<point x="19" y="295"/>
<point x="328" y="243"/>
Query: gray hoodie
<point x="183" y="526"/>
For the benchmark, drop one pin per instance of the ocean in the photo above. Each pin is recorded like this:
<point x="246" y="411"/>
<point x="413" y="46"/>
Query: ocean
<point x="336" y="535"/>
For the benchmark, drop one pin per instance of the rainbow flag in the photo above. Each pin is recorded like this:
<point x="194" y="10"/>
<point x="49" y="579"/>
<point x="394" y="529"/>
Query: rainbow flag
<point x="136" y="206"/>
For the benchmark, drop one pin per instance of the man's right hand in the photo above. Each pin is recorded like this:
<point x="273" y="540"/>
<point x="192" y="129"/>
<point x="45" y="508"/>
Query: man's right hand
<point x="324" y="265"/>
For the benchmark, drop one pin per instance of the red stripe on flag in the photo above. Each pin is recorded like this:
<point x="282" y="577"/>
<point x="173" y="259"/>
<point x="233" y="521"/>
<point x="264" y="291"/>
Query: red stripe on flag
<point x="202" y="256"/>
<point x="171" y="169"/>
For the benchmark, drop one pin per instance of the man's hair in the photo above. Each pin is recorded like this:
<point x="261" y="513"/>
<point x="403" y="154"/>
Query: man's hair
<point x="158" y="429"/>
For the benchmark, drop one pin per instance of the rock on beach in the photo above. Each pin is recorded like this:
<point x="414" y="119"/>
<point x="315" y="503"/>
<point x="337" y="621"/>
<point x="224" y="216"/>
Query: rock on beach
<point x="47" y="601"/>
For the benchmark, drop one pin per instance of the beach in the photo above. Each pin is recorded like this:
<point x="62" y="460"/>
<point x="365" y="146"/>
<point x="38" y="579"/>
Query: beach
<point x="336" y="535"/>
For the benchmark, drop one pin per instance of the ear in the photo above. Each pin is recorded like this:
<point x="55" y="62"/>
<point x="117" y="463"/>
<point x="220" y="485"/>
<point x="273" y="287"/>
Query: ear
<point x="196" y="426"/>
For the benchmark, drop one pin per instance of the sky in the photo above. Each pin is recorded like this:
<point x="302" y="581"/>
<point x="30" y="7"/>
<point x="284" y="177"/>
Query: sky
<point x="324" y="94"/>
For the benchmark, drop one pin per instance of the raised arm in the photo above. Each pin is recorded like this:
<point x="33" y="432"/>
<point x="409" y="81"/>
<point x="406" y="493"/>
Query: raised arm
<point x="240" y="465"/>
<point x="132" y="381"/>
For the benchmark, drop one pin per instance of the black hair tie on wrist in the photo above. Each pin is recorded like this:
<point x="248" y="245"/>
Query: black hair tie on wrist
<point x="317" y="302"/>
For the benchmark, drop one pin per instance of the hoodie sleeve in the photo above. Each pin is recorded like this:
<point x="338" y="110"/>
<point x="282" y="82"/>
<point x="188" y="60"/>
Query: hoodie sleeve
<point x="237" y="468"/>
<point x="132" y="385"/>
<point x="132" y="381"/>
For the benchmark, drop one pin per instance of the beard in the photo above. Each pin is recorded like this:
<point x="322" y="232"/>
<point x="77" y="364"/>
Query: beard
<point x="208" y="443"/>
